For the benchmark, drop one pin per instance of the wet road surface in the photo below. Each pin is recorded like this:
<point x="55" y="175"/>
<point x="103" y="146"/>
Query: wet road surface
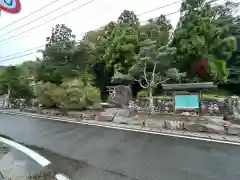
<point x="94" y="153"/>
<point x="16" y="165"/>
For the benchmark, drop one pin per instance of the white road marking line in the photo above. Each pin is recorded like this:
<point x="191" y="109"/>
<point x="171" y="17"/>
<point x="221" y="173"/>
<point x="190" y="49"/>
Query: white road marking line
<point x="35" y="156"/>
<point x="129" y="129"/>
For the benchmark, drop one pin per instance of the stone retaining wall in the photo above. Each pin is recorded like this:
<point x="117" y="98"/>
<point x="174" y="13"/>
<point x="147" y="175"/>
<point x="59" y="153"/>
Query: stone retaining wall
<point x="208" y="107"/>
<point x="208" y="124"/>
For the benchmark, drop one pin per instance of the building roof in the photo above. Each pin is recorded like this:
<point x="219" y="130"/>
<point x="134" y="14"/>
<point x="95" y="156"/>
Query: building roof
<point x="188" y="86"/>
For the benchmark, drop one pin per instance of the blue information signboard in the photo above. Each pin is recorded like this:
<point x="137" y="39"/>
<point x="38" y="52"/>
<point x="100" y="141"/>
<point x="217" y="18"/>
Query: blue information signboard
<point x="186" y="101"/>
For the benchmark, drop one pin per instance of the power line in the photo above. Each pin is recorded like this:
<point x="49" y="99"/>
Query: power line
<point x="32" y="49"/>
<point x="17" y="57"/>
<point x="34" y="12"/>
<point x="160" y="7"/>
<point x="63" y="15"/>
<point x="61" y="7"/>
<point x="169" y="14"/>
<point x="48" y="21"/>
<point x="37" y="48"/>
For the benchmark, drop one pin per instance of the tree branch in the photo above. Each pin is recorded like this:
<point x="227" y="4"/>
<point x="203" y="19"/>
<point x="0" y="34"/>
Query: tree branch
<point x="144" y="72"/>
<point x="139" y="81"/>
<point x="158" y="73"/>
<point x="153" y="72"/>
<point x="162" y="81"/>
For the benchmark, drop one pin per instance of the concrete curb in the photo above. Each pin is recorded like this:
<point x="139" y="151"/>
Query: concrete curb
<point x="172" y="133"/>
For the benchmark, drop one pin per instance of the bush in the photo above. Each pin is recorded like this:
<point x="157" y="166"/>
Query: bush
<point x="43" y="94"/>
<point x="72" y="94"/>
<point x="142" y="94"/>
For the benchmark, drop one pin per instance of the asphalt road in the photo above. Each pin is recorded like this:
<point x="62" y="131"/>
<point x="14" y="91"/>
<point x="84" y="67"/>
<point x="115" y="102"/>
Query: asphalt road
<point x="96" y="153"/>
<point x="16" y="165"/>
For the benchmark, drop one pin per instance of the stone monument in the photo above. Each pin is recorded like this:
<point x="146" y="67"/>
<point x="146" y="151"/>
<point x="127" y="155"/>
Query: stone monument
<point x="120" y="95"/>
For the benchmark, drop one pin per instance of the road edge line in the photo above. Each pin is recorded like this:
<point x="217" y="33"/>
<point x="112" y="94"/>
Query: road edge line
<point x="35" y="156"/>
<point x="128" y="129"/>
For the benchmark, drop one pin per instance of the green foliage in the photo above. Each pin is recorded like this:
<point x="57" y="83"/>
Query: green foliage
<point x="58" y="61"/>
<point x="14" y="84"/>
<point x="43" y="93"/>
<point x="72" y="94"/>
<point x="198" y="36"/>
<point x="74" y="74"/>
<point x="121" y="53"/>
<point x="79" y="94"/>
<point x="215" y="67"/>
<point x="142" y="94"/>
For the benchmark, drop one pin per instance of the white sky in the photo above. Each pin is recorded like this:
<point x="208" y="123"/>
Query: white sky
<point x="91" y="16"/>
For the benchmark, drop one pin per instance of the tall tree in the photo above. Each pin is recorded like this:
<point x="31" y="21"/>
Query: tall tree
<point x="121" y="53"/>
<point x="199" y="38"/>
<point x="226" y="14"/>
<point x="14" y="85"/>
<point x="152" y="68"/>
<point x="57" y="56"/>
<point x="91" y="51"/>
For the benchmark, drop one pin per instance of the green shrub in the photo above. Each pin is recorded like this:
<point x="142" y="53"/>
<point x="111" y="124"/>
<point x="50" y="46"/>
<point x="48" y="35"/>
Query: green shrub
<point x="73" y="94"/>
<point x="142" y="94"/>
<point x="43" y="93"/>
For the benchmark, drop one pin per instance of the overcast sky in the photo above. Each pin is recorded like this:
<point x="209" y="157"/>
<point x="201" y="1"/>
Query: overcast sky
<point x="89" y="17"/>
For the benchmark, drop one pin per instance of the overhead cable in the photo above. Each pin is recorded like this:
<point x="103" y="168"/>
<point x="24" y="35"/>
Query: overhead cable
<point x="26" y="24"/>
<point x="34" y="12"/>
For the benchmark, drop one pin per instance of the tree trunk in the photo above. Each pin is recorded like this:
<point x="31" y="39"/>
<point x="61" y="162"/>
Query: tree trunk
<point x="8" y="96"/>
<point x="151" y="104"/>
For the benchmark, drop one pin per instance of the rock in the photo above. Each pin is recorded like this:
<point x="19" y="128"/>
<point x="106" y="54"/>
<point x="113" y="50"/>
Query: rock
<point x="46" y="112"/>
<point x="205" y="127"/>
<point x="185" y="113"/>
<point x="219" y="122"/>
<point x="105" y="105"/>
<point x="121" y="120"/>
<point x="56" y="113"/>
<point x="30" y="110"/>
<point x="125" y="120"/>
<point x="228" y="117"/>
<point x="234" y="129"/>
<point x="136" y="118"/>
<point x="120" y="95"/>
<point x="122" y="112"/>
<point x="211" y="128"/>
<point x="195" y="127"/>
<point x="104" y="116"/>
<point x="75" y="114"/>
<point x="153" y="123"/>
<point x="174" y="125"/>
<point x="89" y="116"/>
<point x="135" y="122"/>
